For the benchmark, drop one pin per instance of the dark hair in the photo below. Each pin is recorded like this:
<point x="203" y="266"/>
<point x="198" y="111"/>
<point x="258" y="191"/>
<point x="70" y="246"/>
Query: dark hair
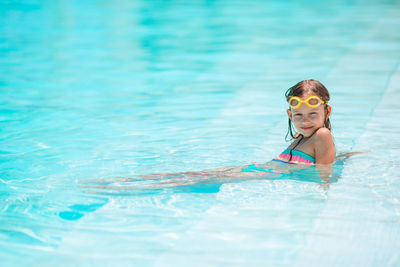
<point x="299" y="89"/>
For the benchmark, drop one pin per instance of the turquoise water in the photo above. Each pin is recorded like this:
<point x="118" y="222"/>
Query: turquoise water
<point x="90" y="92"/>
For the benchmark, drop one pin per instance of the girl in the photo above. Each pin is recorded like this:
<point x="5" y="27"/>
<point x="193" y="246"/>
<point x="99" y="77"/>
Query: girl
<point x="312" y="144"/>
<point x="309" y="112"/>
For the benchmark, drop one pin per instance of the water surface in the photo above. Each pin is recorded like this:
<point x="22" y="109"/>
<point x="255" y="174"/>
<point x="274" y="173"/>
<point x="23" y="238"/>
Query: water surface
<point x="95" y="91"/>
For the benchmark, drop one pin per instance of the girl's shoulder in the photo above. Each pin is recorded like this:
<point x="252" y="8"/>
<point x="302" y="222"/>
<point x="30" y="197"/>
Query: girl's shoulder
<point x="321" y="139"/>
<point x="323" y="134"/>
<point x="324" y="146"/>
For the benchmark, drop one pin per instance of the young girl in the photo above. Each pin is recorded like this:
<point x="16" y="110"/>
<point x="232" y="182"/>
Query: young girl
<point x="309" y="112"/>
<point x="312" y="144"/>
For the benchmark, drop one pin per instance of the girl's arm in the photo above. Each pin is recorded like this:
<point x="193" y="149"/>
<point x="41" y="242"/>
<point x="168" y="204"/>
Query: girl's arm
<point x="324" y="147"/>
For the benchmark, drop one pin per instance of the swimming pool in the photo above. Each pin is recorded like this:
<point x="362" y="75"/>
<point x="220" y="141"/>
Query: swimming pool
<point x="91" y="92"/>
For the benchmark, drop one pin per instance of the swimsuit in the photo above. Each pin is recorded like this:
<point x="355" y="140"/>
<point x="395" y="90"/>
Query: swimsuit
<point x="298" y="157"/>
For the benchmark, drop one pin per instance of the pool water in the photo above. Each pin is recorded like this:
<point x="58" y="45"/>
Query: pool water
<point x="95" y="96"/>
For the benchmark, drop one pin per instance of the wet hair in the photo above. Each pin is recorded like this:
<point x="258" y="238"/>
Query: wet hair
<point x="300" y="89"/>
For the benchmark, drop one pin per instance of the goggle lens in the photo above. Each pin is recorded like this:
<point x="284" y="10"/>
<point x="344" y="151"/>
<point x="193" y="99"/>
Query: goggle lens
<point x="313" y="101"/>
<point x="294" y="102"/>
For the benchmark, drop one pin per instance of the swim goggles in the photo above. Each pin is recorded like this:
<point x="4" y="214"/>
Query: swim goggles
<point x="312" y="101"/>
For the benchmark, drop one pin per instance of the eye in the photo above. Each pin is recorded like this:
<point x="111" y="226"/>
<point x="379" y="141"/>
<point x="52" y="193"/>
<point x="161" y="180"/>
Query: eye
<point x="298" y="116"/>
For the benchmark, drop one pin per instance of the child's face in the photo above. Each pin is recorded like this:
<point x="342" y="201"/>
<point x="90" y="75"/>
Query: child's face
<point x="307" y="120"/>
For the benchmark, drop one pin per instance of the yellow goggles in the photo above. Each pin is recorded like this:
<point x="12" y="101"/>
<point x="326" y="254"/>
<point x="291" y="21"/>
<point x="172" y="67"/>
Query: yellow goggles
<point x="312" y="101"/>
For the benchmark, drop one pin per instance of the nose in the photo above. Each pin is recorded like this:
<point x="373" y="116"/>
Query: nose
<point x="306" y="119"/>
